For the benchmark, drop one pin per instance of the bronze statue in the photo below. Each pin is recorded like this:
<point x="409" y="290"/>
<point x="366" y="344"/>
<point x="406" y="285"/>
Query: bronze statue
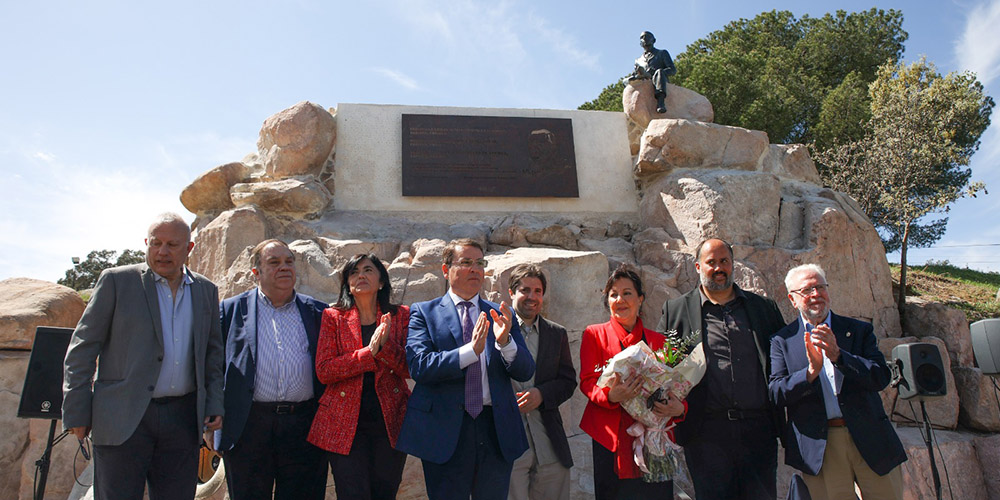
<point x="654" y="64"/>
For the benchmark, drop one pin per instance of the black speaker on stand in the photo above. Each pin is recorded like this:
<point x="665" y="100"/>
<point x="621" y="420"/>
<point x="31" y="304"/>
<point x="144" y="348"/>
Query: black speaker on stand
<point x="918" y="373"/>
<point x="41" y="396"/>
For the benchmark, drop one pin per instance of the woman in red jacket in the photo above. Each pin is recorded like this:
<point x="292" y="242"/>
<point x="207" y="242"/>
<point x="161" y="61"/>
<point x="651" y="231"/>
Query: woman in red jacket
<point x="361" y="359"/>
<point x="616" y="476"/>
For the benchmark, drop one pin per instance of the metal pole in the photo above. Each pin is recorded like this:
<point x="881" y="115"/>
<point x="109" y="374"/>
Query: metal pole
<point x="43" y="463"/>
<point x="930" y="450"/>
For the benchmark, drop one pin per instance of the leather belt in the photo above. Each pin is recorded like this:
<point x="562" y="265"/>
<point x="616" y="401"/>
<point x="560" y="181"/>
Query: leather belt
<point x="169" y="399"/>
<point x="285" y="408"/>
<point x="734" y="414"/>
<point x="836" y="422"/>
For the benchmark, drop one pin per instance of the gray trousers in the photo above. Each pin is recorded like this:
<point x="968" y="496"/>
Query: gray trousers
<point x="162" y="452"/>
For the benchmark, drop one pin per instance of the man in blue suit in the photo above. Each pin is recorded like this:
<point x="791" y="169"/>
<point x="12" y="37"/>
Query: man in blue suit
<point x="271" y="386"/>
<point x="462" y="419"/>
<point x="827" y="371"/>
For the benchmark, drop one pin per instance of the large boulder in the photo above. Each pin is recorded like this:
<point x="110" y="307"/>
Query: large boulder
<point x="218" y="244"/>
<point x="790" y="161"/>
<point x="14" y="443"/>
<point x="668" y="144"/>
<point x="291" y="196"/>
<point x="26" y="304"/>
<point x="639" y="103"/>
<point x="988" y="451"/>
<point x="977" y="397"/>
<point x="925" y="318"/>
<point x="297" y="140"/>
<point x="209" y="192"/>
<point x="954" y="452"/>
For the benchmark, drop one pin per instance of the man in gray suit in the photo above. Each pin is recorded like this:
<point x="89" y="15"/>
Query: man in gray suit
<point x="152" y="334"/>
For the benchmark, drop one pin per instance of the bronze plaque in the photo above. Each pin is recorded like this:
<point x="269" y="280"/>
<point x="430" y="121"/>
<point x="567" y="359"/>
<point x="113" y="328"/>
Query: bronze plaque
<point x="445" y="155"/>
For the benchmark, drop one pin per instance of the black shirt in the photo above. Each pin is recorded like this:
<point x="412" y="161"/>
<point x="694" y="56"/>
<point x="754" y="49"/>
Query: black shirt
<point x="734" y="377"/>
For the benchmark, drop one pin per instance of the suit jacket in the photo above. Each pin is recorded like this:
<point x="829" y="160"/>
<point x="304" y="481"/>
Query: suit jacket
<point x="239" y="328"/>
<point x="434" y="411"/>
<point x="865" y="373"/>
<point x="341" y="363"/>
<point x="684" y="315"/>
<point x="120" y="337"/>
<point x="555" y="378"/>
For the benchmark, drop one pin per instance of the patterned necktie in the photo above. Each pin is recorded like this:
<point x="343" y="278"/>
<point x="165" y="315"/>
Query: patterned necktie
<point x="473" y="372"/>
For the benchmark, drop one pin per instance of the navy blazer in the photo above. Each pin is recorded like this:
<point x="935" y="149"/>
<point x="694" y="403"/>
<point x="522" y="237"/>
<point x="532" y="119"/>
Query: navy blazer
<point x="434" y="411"/>
<point x="865" y="374"/>
<point x="239" y="330"/>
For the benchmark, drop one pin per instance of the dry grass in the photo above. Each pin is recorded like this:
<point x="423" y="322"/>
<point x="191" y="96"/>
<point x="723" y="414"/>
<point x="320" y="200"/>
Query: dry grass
<point x="973" y="292"/>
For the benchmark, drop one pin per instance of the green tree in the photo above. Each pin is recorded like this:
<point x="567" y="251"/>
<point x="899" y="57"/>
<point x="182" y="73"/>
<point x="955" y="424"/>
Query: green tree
<point x="913" y="160"/>
<point x="84" y="275"/>
<point x="610" y="99"/>
<point x="775" y="72"/>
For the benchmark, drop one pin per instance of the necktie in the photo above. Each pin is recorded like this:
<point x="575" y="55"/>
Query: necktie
<point x="473" y="372"/>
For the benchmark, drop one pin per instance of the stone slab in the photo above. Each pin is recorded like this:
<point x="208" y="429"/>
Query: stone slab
<point x="369" y="160"/>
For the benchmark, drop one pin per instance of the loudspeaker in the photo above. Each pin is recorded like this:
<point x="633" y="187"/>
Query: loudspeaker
<point x="986" y="345"/>
<point x="920" y="369"/>
<point x="41" y="396"/>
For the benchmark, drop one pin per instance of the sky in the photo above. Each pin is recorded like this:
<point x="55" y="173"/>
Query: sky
<point x="109" y="109"/>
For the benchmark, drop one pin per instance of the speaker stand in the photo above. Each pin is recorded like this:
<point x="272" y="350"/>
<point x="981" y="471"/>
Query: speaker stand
<point x="43" y="463"/>
<point x="930" y="450"/>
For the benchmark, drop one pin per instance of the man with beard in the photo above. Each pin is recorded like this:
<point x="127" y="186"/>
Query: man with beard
<point x="827" y="373"/>
<point x="730" y="429"/>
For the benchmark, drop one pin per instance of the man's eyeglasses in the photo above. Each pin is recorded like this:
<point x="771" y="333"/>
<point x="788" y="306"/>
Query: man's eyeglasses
<point x="809" y="290"/>
<point x="466" y="263"/>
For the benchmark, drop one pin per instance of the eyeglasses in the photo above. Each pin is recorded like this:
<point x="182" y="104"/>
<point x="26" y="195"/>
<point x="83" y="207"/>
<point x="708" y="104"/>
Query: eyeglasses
<point x="809" y="290"/>
<point x="467" y="263"/>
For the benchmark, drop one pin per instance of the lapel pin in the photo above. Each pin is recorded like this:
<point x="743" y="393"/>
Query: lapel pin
<point x="848" y="334"/>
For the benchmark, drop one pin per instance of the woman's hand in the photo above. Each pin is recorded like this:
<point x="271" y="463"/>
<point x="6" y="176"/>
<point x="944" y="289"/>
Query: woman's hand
<point x="381" y="333"/>
<point x="624" y="391"/>
<point x="669" y="409"/>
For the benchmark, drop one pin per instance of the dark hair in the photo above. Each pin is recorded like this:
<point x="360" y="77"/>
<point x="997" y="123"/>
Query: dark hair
<point x="697" y="252"/>
<point x="623" y="271"/>
<point x="259" y="249"/>
<point x="526" y="271"/>
<point x="452" y="247"/>
<point x="346" y="300"/>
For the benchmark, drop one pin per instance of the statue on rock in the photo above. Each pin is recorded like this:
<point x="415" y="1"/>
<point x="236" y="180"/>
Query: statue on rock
<point x="656" y="65"/>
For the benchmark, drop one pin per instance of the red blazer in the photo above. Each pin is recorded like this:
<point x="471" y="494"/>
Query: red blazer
<point x="602" y="419"/>
<point x="341" y="362"/>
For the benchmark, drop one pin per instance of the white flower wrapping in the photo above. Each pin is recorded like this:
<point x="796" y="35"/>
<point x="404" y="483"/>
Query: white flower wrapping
<point x="639" y="359"/>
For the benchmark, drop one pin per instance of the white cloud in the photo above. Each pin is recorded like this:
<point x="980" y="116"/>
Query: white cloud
<point x="398" y="77"/>
<point x="978" y="49"/>
<point x="43" y="156"/>
<point x="563" y="43"/>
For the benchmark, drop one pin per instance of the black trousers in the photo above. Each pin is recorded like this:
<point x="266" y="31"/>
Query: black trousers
<point x="608" y="486"/>
<point x="734" y="460"/>
<point x="373" y="469"/>
<point x="477" y="468"/>
<point x="272" y="454"/>
<point x="162" y="452"/>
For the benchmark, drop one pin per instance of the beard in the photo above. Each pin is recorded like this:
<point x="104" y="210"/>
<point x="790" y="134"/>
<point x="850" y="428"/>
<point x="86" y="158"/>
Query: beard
<point x="710" y="284"/>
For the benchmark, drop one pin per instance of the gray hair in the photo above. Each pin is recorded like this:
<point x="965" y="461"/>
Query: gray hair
<point x="169" y="218"/>
<point x="801" y="269"/>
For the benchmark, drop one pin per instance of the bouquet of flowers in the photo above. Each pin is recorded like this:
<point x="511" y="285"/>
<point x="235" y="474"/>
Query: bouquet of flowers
<point x="675" y="368"/>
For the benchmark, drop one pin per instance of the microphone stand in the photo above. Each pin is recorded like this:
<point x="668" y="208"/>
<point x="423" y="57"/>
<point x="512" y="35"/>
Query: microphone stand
<point x="930" y="450"/>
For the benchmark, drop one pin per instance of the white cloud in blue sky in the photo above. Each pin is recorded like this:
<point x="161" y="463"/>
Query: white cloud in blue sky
<point x="978" y="49"/>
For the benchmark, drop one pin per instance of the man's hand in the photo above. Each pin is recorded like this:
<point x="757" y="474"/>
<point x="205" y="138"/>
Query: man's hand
<point x="624" y="391"/>
<point x="529" y="400"/>
<point x="501" y="324"/>
<point x="381" y="332"/>
<point x="672" y="408"/>
<point x="80" y="432"/>
<point x="209" y="438"/>
<point x="824" y="338"/>
<point x="814" y="355"/>
<point x="479" y="334"/>
<point x="213" y="423"/>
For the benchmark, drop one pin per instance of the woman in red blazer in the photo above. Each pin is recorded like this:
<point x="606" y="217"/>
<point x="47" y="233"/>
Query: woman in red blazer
<point x="616" y="476"/>
<point x="361" y="359"/>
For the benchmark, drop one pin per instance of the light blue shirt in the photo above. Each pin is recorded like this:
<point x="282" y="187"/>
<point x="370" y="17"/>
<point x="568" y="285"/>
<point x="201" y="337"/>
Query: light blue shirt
<point x="284" y="364"/>
<point x="467" y="356"/>
<point x="831" y="380"/>
<point x="176" y="318"/>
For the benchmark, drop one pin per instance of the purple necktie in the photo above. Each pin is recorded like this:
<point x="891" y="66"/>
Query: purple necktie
<point x="473" y="372"/>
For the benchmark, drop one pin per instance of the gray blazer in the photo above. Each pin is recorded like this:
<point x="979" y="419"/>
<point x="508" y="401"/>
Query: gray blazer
<point x="120" y="337"/>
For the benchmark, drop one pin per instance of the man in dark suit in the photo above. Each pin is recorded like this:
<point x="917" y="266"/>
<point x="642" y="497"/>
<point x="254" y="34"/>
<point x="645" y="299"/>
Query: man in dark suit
<point x="729" y="434"/>
<point x="271" y="386"/>
<point x="656" y="65"/>
<point x="543" y="471"/>
<point x="150" y="334"/>
<point x="827" y="371"/>
<point x="462" y="419"/>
